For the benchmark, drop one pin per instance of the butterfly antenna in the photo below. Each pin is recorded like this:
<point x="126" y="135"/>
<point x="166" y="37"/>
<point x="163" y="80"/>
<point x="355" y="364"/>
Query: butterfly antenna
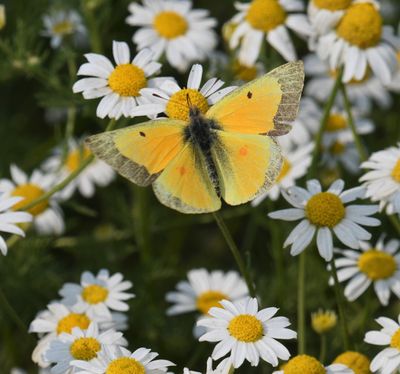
<point x="170" y="100"/>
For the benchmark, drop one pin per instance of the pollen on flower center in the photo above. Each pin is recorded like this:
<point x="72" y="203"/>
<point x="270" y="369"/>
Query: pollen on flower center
<point x="76" y="157"/>
<point x="170" y="25"/>
<point x="337" y="148"/>
<point x="246" y="328"/>
<point x="332" y="4"/>
<point x="304" y="364"/>
<point x="178" y="107"/>
<point x="94" y="294"/>
<point x="377" y="264"/>
<point x="63" y="28"/>
<point x="30" y="192"/>
<point x="336" y="122"/>
<point x="125" y="365"/>
<point x="72" y="320"/>
<point x="396" y="172"/>
<point x="361" y="25"/>
<point x="85" y="348"/>
<point x="208" y="300"/>
<point x="358" y="362"/>
<point x="395" y="341"/>
<point x="323" y="321"/>
<point x="127" y="80"/>
<point x="286" y="167"/>
<point x="265" y="15"/>
<point x="325" y="209"/>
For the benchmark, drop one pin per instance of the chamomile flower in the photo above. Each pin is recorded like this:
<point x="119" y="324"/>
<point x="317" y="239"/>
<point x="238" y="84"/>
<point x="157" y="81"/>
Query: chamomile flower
<point x="382" y="181"/>
<point x="98" y="173"/>
<point x="47" y="215"/>
<point x="120" y="360"/>
<point x="323" y="321"/>
<point x="172" y="27"/>
<point x="97" y="295"/>
<point x="61" y="24"/>
<point x="358" y="42"/>
<point x="295" y="165"/>
<point x="120" y="85"/>
<point x="305" y="364"/>
<point x="341" y="153"/>
<point x="247" y="333"/>
<point x="388" y="360"/>
<point x="355" y="361"/>
<point x="173" y="100"/>
<point x="245" y="73"/>
<point x="322" y="213"/>
<point x="9" y="219"/>
<point x="377" y="264"/>
<point x="224" y="367"/>
<point x="270" y="20"/>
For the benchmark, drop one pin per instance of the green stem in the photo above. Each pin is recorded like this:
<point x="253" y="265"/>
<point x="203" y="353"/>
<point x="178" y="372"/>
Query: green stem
<point x="322" y="351"/>
<point x="94" y="32"/>
<point x="12" y="312"/>
<point x="395" y="222"/>
<point x="235" y="252"/>
<point x="301" y="316"/>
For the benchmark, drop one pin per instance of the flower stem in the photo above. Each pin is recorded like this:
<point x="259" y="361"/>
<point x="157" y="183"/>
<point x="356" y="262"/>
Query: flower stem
<point x="322" y="352"/>
<point x="94" y="32"/>
<point x="235" y="252"/>
<point x="395" y="222"/>
<point x="301" y="316"/>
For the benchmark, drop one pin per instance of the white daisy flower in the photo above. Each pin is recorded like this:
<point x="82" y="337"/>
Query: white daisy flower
<point x="383" y="180"/>
<point x="120" y="360"/>
<point x="247" y="333"/>
<point x="309" y="365"/>
<point x="120" y="85"/>
<point x="355" y="361"/>
<point x="172" y="27"/>
<point x="269" y="19"/>
<point x="376" y="264"/>
<point x="97" y="295"/>
<point x="341" y="153"/>
<point x="98" y="173"/>
<point x="360" y="41"/>
<point x="47" y="215"/>
<point x="62" y="24"/>
<point x="294" y="166"/>
<point x="84" y="345"/>
<point x="224" y="367"/>
<point x="173" y="100"/>
<point x="388" y="360"/>
<point x="324" y="212"/>
<point x="9" y="219"/>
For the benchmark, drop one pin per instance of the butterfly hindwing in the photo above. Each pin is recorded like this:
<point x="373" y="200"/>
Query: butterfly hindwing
<point x="266" y="105"/>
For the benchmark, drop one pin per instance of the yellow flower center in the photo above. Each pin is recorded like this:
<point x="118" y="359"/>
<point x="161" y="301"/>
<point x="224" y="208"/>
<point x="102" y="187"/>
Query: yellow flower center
<point x="332" y="4"/>
<point x="243" y="72"/>
<point x="325" y="209"/>
<point x="265" y="15"/>
<point x="377" y="264"/>
<point x="246" y="328"/>
<point x="286" y="167"/>
<point x="178" y="108"/>
<point x="395" y="341"/>
<point x="94" y="294"/>
<point x="125" y="365"/>
<point x="336" y="122"/>
<point x="72" y="320"/>
<point x="358" y="362"/>
<point x="396" y="172"/>
<point x="361" y="25"/>
<point x="304" y="364"/>
<point x="337" y="148"/>
<point x="30" y="192"/>
<point x="63" y="28"/>
<point x="85" y="348"/>
<point x="323" y="321"/>
<point x="76" y="157"/>
<point x="208" y="300"/>
<point x="170" y="25"/>
<point x="127" y="80"/>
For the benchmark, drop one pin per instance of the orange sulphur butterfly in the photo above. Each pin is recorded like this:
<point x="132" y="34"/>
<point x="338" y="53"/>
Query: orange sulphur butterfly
<point x="229" y="152"/>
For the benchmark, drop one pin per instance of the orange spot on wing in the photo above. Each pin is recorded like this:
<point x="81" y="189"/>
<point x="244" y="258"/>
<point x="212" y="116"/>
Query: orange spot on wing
<point x="243" y="151"/>
<point x="182" y="170"/>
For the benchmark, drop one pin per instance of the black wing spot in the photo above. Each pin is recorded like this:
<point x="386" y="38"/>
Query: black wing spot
<point x="142" y="134"/>
<point x="249" y="95"/>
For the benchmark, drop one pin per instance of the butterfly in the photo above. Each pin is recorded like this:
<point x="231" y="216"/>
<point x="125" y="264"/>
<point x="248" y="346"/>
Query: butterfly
<point x="227" y="153"/>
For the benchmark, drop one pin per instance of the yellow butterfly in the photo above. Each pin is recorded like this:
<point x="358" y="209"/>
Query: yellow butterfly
<point x="229" y="152"/>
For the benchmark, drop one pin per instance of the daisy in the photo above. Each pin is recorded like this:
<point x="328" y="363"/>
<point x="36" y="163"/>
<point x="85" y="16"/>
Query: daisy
<point x="383" y="180"/>
<point x="224" y="367"/>
<point x="85" y="345"/>
<point x="360" y="41"/>
<point x="305" y="364"/>
<point x="120" y="85"/>
<point x="98" y="173"/>
<point x="323" y="321"/>
<point x="341" y="153"/>
<point x="268" y="19"/>
<point x="377" y="264"/>
<point x="355" y="361"/>
<point x="172" y="27"/>
<point x="47" y="215"/>
<point x="62" y="24"/>
<point x="120" y="361"/>
<point x="388" y="360"/>
<point x="295" y="165"/>
<point x="246" y="73"/>
<point x="247" y="333"/>
<point x="97" y="295"/>
<point x="171" y="99"/>
<point x="9" y="218"/>
<point x="324" y="212"/>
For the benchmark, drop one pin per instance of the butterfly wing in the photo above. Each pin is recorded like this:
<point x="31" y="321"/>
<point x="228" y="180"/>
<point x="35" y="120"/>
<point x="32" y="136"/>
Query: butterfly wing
<point x="266" y="105"/>
<point x="247" y="165"/>
<point x="140" y="152"/>
<point x="185" y="185"/>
